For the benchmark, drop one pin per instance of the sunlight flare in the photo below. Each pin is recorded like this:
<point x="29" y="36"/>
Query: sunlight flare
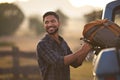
<point x="95" y="3"/>
<point x="11" y="1"/>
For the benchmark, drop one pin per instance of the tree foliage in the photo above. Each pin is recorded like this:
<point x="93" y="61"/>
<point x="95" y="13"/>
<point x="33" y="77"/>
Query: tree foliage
<point x="93" y="15"/>
<point x="36" y="24"/>
<point x="63" y="19"/>
<point x="11" y="17"/>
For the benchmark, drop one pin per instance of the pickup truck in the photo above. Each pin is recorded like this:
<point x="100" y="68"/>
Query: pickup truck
<point x="107" y="63"/>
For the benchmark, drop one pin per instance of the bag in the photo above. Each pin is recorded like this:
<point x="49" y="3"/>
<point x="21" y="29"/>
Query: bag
<point x="103" y="33"/>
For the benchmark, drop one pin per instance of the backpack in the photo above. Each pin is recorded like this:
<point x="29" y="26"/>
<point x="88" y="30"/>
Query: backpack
<point x="103" y="33"/>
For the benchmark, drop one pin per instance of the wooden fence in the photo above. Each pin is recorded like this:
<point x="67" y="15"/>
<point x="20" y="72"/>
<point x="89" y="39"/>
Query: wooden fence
<point x="17" y="71"/>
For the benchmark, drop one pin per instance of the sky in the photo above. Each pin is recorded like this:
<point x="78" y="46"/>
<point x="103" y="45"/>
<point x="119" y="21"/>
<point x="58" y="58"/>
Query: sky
<point x="72" y="8"/>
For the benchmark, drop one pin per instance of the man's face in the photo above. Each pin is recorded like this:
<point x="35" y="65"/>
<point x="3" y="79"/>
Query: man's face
<point x="51" y="24"/>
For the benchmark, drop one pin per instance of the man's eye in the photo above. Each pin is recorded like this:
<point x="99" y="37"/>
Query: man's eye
<point x="53" y="21"/>
<point x="46" y="22"/>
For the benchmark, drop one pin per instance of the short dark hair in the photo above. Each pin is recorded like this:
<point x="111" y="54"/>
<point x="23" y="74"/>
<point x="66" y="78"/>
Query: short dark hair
<point x="51" y="13"/>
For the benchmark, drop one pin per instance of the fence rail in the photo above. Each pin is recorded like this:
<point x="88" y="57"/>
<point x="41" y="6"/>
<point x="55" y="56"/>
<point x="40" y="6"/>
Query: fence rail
<point x="26" y="72"/>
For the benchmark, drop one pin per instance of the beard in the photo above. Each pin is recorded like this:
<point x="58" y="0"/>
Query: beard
<point x="52" y="30"/>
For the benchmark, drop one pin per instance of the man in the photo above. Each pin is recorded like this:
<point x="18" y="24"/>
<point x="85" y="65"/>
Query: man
<point x="54" y="55"/>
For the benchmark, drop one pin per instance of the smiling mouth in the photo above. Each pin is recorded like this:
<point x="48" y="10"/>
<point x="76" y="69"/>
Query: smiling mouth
<point x="52" y="30"/>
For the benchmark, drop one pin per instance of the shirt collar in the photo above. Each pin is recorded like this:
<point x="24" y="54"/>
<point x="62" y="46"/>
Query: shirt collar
<point x="48" y="37"/>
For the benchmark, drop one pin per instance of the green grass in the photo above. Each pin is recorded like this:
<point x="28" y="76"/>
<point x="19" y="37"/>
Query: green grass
<point x="84" y="72"/>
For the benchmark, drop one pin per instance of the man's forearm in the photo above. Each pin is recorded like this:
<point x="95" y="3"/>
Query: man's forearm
<point x="68" y="59"/>
<point x="83" y="53"/>
<point x="78" y="56"/>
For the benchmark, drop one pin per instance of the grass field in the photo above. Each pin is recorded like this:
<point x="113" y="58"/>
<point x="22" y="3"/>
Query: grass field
<point x="83" y="72"/>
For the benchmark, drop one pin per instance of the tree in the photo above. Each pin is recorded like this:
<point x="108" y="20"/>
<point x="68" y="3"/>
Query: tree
<point x="93" y="15"/>
<point x="63" y="19"/>
<point x="36" y="24"/>
<point x="11" y="17"/>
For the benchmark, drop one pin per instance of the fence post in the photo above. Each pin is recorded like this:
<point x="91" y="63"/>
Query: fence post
<point x="16" y="71"/>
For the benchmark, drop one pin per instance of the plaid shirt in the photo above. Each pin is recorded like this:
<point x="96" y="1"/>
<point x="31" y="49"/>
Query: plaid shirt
<point x="51" y="59"/>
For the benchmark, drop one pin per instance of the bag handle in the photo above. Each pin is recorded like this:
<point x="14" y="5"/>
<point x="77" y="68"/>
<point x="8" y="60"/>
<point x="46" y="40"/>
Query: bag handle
<point x="94" y="23"/>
